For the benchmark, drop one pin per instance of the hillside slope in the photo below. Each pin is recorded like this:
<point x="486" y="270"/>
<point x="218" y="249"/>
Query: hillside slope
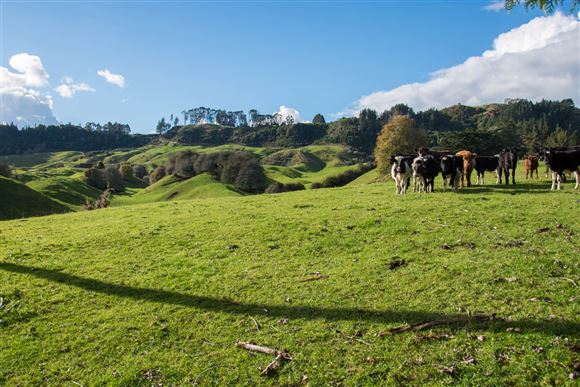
<point x="174" y="188"/>
<point x="20" y="201"/>
<point x="160" y="293"/>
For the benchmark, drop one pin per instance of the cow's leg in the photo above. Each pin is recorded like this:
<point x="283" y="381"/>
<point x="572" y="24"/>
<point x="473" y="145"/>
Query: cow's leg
<point x="554" y="176"/>
<point x="444" y="183"/>
<point x="498" y="173"/>
<point x="468" y="178"/>
<point x="506" y="174"/>
<point x="482" y="177"/>
<point x="527" y="173"/>
<point x="514" y="176"/>
<point x="577" y="175"/>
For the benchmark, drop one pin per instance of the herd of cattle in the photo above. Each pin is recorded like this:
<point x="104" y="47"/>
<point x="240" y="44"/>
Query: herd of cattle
<point x="458" y="167"/>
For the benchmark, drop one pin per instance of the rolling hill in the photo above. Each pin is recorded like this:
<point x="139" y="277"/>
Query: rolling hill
<point x="20" y="201"/>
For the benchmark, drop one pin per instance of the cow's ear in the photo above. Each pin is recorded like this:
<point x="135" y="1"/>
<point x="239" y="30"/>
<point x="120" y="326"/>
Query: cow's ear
<point x="392" y="159"/>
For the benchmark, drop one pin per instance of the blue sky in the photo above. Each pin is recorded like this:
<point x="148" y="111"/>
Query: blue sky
<point x="311" y="56"/>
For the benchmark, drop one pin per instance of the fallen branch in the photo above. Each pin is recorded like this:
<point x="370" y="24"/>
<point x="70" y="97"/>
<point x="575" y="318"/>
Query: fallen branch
<point x="428" y="324"/>
<point x="281" y="356"/>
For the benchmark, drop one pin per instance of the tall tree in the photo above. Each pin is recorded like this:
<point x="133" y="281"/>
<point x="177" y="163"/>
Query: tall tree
<point x="319" y="119"/>
<point x="399" y="136"/>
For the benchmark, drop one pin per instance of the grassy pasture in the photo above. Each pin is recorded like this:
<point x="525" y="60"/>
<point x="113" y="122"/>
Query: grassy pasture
<point x="159" y="293"/>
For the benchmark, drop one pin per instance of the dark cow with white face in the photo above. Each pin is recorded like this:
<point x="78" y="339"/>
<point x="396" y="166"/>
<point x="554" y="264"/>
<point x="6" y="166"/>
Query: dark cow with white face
<point x="560" y="161"/>
<point x="401" y="172"/>
<point x="425" y="169"/>
<point x="507" y="161"/>
<point x="452" y="167"/>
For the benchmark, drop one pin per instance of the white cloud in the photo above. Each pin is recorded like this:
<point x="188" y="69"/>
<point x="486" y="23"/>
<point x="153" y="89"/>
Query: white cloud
<point x="21" y="103"/>
<point x="495" y="6"/>
<point x="286" y="111"/>
<point x="68" y="88"/>
<point x="115" y="79"/>
<point x="536" y="60"/>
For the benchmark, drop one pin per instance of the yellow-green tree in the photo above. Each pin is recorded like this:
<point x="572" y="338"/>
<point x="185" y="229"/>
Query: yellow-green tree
<point x="398" y="136"/>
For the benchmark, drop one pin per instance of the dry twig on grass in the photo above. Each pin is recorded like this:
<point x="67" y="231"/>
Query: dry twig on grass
<point x="281" y="356"/>
<point x="256" y="323"/>
<point x="428" y="324"/>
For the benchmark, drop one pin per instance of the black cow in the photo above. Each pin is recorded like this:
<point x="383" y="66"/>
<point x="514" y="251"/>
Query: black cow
<point x="557" y="148"/>
<point x="485" y="163"/>
<point x="452" y="167"/>
<point x="563" y="160"/>
<point x="429" y="169"/>
<point x="507" y="161"/>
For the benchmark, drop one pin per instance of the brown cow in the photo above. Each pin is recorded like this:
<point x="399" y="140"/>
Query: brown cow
<point x="468" y="165"/>
<point x="531" y="164"/>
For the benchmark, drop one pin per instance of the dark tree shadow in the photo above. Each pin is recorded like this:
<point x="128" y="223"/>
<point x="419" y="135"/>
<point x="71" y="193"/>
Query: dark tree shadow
<point x="551" y="327"/>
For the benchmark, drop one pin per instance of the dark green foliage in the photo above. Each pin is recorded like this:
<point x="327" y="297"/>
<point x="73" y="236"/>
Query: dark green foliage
<point x="126" y="171"/>
<point x="5" y="169"/>
<point x="251" y="178"/>
<point x="319" y="119"/>
<point x="101" y="165"/>
<point x="114" y="179"/>
<point x="294" y="135"/>
<point x="360" y="133"/>
<point x="344" y="178"/>
<point x="227" y="167"/>
<point x="44" y="138"/>
<point x="277" y="187"/>
<point x="139" y="171"/>
<point x="548" y="6"/>
<point x="96" y="178"/>
<point x="157" y="174"/>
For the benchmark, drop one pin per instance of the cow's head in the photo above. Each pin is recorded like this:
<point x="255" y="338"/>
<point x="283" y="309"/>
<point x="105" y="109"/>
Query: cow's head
<point x="422" y="151"/>
<point x="400" y="164"/>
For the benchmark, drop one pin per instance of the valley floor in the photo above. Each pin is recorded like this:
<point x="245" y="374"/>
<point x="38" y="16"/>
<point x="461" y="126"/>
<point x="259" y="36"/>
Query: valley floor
<point x="159" y="293"/>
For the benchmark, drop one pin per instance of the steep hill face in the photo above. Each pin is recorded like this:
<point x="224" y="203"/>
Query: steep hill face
<point x="19" y="201"/>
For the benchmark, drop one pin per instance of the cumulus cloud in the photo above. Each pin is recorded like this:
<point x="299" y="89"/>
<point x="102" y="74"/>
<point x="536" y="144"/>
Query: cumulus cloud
<point x="68" y="87"/>
<point x="115" y="79"/>
<point x="536" y="60"/>
<point x="21" y="102"/>
<point x="495" y="6"/>
<point x="286" y="111"/>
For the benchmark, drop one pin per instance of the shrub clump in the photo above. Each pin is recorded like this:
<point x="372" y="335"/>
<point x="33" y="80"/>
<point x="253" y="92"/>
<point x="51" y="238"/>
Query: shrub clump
<point x="5" y="169"/>
<point x="157" y="174"/>
<point x="109" y="178"/>
<point x="139" y="171"/>
<point x="242" y="169"/>
<point x="126" y="171"/>
<point x="279" y="187"/>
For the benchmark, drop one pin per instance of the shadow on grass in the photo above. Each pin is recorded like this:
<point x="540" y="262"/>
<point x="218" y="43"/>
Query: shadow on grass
<point x="518" y="188"/>
<point x="212" y="304"/>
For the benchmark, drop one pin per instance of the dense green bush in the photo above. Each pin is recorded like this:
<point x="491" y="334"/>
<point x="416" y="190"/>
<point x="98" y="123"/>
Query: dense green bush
<point x="126" y="171"/>
<point x="277" y="187"/>
<point x="157" y="174"/>
<point x="5" y="169"/>
<point x="114" y="179"/>
<point x="139" y="171"/>
<point x="96" y="178"/>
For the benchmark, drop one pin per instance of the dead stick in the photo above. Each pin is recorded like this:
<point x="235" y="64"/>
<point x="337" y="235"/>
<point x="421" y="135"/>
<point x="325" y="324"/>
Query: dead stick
<point x="274" y="365"/>
<point x="259" y="348"/>
<point x="256" y="323"/>
<point x="428" y="324"/>
<point x="568" y="279"/>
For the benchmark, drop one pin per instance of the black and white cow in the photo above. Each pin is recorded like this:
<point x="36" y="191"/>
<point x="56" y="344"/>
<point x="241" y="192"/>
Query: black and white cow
<point x="483" y="164"/>
<point x="401" y="172"/>
<point x="507" y="161"/>
<point x="452" y="167"/>
<point x="560" y="161"/>
<point x="418" y="180"/>
<point x="425" y="169"/>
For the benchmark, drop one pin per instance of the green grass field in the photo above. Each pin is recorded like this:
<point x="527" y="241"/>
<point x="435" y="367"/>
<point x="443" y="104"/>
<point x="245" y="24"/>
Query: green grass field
<point x="159" y="293"/>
